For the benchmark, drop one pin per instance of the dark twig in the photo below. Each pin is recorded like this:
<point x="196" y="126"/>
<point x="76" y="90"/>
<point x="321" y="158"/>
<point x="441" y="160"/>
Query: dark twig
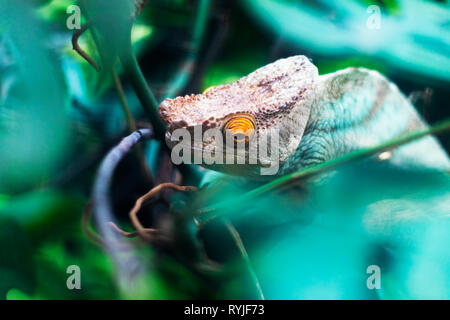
<point x="152" y="193"/>
<point x="76" y="35"/>
<point x="240" y="245"/>
<point x="147" y="98"/>
<point x="130" y="234"/>
<point x="131" y="124"/>
<point x="101" y="202"/>
<point x="120" y="251"/>
<point x="143" y="92"/>
<point x="90" y="234"/>
<point x="86" y="227"/>
<point x="139" y="83"/>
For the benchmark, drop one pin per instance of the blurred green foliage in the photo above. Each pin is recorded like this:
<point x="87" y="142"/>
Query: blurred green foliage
<point x="58" y="116"/>
<point x="340" y="28"/>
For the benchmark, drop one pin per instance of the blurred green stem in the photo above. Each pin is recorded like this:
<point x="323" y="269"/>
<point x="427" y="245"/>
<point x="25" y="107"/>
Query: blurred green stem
<point x="143" y="92"/>
<point x="182" y="77"/>
<point x="218" y="210"/>
<point x="240" y="245"/>
<point x="139" y="83"/>
<point x="150" y="105"/>
<point x="131" y="124"/>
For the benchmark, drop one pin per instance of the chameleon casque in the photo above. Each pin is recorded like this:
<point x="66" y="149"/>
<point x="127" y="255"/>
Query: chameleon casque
<point x="318" y="117"/>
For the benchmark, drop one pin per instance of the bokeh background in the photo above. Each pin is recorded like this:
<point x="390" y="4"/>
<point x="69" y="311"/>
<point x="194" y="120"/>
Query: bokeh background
<point x="59" y="117"/>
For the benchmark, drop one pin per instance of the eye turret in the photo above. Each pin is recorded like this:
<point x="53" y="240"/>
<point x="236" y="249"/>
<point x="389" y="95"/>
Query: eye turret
<point x="241" y="127"/>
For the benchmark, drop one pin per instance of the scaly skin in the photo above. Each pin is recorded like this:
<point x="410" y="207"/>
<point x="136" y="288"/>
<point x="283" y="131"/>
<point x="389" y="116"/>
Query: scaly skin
<point x="318" y="118"/>
<point x="356" y="108"/>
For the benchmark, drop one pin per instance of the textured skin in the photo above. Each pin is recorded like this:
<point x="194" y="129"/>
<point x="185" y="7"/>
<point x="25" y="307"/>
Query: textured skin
<point x="279" y="97"/>
<point x="267" y="94"/>
<point x="357" y="108"/>
<point x="319" y="118"/>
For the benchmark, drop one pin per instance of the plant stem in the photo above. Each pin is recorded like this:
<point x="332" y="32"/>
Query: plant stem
<point x="131" y="124"/>
<point x="182" y="77"/>
<point x="240" y="246"/>
<point x="101" y="202"/>
<point x="143" y="92"/>
<point x="150" y="106"/>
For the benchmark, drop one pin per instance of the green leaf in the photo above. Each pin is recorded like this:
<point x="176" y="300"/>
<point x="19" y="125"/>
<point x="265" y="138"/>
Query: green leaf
<point x="16" y="262"/>
<point x="35" y="138"/>
<point x="338" y="28"/>
<point x="44" y="213"/>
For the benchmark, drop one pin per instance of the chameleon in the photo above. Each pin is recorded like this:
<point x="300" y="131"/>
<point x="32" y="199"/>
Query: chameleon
<point x="324" y="233"/>
<point x="318" y="117"/>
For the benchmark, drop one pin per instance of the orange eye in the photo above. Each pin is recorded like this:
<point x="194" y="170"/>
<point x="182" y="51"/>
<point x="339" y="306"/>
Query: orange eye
<point x="240" y="127"/>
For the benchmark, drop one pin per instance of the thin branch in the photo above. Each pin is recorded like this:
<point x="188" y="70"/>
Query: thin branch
<point x="240" y="245"/>
<point x="130" y="234"/>
<point x="101" y="202"/>
<point x="152" y="193"/>
<point x="92" y="235"/>
<point x="150" y="106"/>
<point x="76" y="35"/>
<point x="131" y="124"/>
<point x="86" y="227"/>
<point x="139" y="83"/>
<point x="143" y="92"/>
<point x="209" y="213"/>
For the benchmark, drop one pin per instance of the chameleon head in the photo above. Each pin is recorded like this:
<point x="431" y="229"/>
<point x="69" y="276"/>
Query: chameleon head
<point x="248" y="125"/>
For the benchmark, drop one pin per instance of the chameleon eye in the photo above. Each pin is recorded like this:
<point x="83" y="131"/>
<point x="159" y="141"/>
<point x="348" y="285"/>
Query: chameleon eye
<point x="240" y="127"/>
